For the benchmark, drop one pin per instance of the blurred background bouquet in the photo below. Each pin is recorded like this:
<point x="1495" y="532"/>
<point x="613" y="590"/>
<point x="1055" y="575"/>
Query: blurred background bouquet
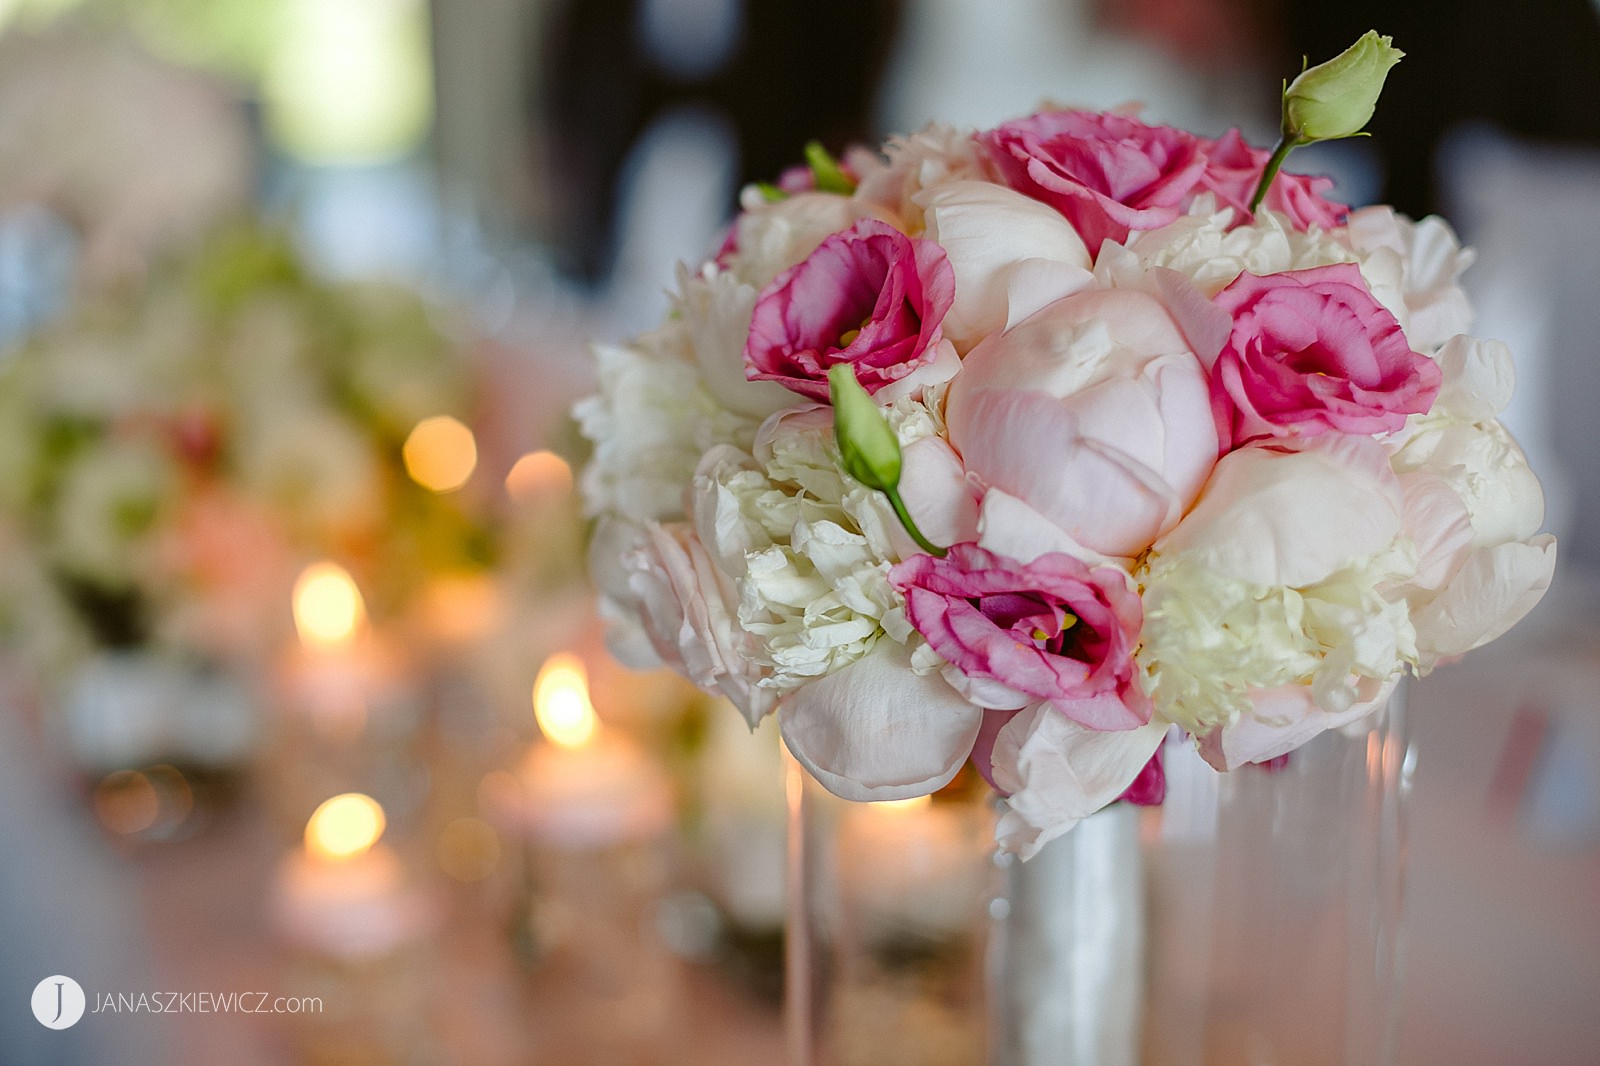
<point x="175" y="452"/>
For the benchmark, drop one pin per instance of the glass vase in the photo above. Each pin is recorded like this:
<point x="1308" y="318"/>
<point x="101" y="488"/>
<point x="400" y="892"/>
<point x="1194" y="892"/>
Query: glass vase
<point x="1253" y="919"/>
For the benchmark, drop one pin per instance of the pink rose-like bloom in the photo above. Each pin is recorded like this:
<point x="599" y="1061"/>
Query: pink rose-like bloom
<point x="1312" y="351"/>
<point x="1095" y="413"/>
<point x="869" y="296"/>
<point x="1233" y="170"/>
<point x="1108" y="174"/>
<point x="1054" y="629"/>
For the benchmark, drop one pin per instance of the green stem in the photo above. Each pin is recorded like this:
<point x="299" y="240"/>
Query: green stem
<point x="1279" y="153"/>
<point x="911" y="527"/>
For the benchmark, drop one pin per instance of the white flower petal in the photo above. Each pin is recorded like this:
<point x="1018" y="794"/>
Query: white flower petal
<point x="1002" y="246"/>
<point x="876" y="730"/>
<point x="1058" y="773"/>
<point x="1290" y="518"/>
<point x="1491" y="592"/>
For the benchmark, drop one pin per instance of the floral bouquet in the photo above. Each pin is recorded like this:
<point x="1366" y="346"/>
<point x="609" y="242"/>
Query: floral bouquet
<point x="174" y="452"/>
<point x="1026" y="446"/>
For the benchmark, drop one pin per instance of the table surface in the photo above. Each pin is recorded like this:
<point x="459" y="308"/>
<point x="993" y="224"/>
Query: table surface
<point x="1502" y="931"/>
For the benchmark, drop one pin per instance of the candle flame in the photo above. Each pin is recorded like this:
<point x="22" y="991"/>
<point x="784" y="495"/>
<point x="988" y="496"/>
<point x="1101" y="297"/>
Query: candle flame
<point x="915" y="803"/>
<point x="344" y="827"/>
<point x="440" y="454"/>
<point x="327" y="605"/>
<point x="561" y="702"/>
<point x="537" y="473"/>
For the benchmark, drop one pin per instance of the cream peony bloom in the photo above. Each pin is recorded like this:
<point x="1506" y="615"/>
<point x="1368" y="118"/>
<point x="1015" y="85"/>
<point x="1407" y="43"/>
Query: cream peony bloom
<point x="933" y="156"/>
<point x="651" y="421"/>
<point x="1473" y="507"/>
<point x="1286" y="573"/>
<point x="1413" y="269"/>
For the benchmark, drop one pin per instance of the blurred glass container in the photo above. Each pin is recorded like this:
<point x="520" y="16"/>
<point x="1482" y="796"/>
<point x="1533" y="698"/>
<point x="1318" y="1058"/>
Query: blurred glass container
<point x="1274" y="897"/>
<point x="135" y="707"/>
<point x="1253" y="918"/>
<point x="165" y="739"/>
<point x="886" y="928"/>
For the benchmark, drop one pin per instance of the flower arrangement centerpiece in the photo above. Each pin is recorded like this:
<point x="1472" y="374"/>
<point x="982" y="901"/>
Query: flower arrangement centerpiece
<point x="175" y="451"/>
<point x="1028" y="445"/>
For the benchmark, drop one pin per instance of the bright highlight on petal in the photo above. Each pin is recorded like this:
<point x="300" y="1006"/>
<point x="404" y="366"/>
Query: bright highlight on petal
<point x="440" y="454"/>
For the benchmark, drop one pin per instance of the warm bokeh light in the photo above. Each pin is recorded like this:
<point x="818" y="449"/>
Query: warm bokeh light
<point x="327" y="605"/>
<point x="915" y="803"/>
<point x="561" y="702"/>
<point x="441" y="453"/>
<point x="126" y="802"/>
<point x="344" y="826"/>
<point x="460" y="608"/>
<point x="538" y="474"/>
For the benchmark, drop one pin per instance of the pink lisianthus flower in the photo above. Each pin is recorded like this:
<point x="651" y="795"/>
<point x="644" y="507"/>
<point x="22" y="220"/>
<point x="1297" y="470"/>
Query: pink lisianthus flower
<point x="1233" y="170"/>
<point x="1108" y="174"/>
<point x="1054" y="629"/>
<point x="868" y="296"/>
<point x="1311" y="351"/>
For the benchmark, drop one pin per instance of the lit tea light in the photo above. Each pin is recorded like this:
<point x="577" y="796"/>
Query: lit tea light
<point x="586" y="786"/>
<point x="911" y="862"/>
<point x="328" y="608"/>
<point x="538" y="474"/>
<point x="440" y="454"/>
<point x="344" y="827"/>
<point x="343" y="892"/>
<point x="341" y="668"/>
<point x="561" y="704"/>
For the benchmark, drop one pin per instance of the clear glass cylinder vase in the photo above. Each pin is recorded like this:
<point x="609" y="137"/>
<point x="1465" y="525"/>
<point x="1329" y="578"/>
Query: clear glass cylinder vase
<point x="1253" y="919"/>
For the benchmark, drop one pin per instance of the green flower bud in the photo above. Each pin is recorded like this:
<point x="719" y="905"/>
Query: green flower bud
<point x="829" y="175"/>
<point x="868" y="448"/>
<point x="1336" y="99"/>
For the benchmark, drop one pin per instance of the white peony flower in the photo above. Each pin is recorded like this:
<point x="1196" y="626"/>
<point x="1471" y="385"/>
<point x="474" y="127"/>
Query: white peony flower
<point x="927" y="159"/>
<point x="714" y="308"/>
<point x="769" y="238"/>
<point x="1413" y="269"/>
<point x="651" y="421"/>
<point x="1287" y="572"/>
<point x="1473" y="507"/>
<point x="807" y="548"/>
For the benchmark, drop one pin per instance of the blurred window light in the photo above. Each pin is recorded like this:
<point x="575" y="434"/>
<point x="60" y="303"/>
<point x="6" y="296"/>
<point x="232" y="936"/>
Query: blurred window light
<point x="350" y="81"/>
<point x="690" y="39"/>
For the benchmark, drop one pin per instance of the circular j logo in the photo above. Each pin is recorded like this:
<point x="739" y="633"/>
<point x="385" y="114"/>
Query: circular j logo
<point x="58" y="1002"/>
